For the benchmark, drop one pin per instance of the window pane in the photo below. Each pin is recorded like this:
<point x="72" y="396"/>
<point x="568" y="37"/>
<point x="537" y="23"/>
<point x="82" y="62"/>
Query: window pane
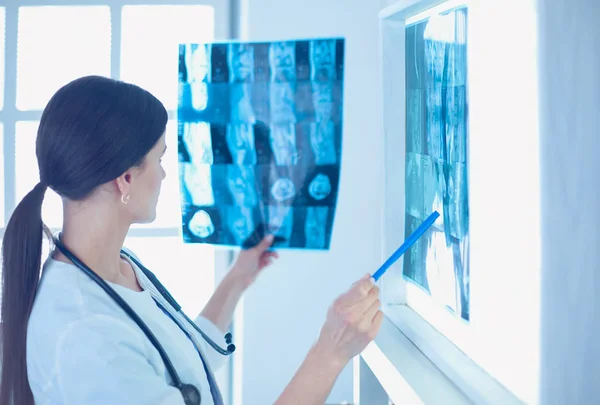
<point x="150" y="39"/>
<point x="187" y="270"/>
<point x="3" y="174"/>
<point x="57" y="45"/>
<point x="27" y="173"/>
<point x="2" y="51"/>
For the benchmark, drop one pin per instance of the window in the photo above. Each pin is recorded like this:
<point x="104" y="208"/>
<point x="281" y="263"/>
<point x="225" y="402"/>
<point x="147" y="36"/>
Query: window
<point x="45" y="44"/>
<point x="2" y="50"/>
<point x="490" y="316"/>
<point x="65" y="41"/>
<point x="149" y="51"/>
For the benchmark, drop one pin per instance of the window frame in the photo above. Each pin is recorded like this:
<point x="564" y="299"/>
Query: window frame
<point x="415" y="352"/>
<point x="10" y="114"/>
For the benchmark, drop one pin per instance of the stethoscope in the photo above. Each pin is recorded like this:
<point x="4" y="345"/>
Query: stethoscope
<point x="191" y="394"/>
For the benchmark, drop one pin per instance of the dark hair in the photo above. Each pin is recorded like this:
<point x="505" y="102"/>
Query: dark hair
<point x="92" y="131"/>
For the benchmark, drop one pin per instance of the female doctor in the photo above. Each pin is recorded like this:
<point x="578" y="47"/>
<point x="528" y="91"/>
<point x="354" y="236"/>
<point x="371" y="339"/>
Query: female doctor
<point x="65" y="340"/>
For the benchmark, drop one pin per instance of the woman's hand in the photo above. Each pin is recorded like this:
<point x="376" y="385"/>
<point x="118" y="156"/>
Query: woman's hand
<point x="353" y="320"/>
<point x="250" y="262"/>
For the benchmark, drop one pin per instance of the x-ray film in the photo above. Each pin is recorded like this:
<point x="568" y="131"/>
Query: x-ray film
<point x="260" y="141"/>
<point x="436" y="158"/>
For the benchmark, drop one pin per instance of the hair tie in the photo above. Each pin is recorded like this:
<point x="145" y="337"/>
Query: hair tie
<point x="41" y="186"/>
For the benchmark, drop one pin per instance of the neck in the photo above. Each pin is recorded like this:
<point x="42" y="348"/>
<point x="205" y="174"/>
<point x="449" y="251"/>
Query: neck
<point x="95" y="237"/>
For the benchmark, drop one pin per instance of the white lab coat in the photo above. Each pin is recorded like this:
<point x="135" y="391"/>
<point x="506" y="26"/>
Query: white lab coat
<point x="83" y="349"/>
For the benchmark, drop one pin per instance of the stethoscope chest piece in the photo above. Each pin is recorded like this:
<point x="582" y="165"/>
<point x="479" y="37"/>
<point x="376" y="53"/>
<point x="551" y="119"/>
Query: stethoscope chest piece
<point x="191" y="395"/>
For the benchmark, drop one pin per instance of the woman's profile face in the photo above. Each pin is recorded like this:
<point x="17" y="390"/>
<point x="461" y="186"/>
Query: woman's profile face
<point x="145" y="189"/>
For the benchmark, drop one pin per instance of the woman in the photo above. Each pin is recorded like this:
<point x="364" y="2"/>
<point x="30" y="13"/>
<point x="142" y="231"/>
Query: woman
<point x="65" y="341"/>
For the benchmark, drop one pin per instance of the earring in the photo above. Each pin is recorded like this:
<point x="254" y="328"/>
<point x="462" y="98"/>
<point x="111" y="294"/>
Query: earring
<point x="125" y="198"/>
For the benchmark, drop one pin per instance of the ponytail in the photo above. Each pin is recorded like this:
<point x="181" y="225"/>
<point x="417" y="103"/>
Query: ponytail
<point x="21" y="255"/>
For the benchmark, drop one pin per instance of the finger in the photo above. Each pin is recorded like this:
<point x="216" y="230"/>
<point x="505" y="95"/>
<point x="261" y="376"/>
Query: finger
<point x="366" y="318"/>
<point x="363" y="278"/>
<point x="359" y="291"/>
<point x="265" y="243"/>
<point x="367" y="303"/>
<point x="271" y="254"/>
<point x="267" y="258"/>
<point x="371" y="311"/>
<point x="376" y="325"/>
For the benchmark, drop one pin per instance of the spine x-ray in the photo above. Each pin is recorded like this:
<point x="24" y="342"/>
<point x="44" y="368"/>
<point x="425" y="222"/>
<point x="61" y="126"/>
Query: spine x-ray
<point x="260" y="141"/>
<point x="436" y="158"/>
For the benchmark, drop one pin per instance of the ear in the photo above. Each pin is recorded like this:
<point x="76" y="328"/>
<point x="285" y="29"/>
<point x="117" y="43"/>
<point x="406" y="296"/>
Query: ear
<point x="123" y="183"/>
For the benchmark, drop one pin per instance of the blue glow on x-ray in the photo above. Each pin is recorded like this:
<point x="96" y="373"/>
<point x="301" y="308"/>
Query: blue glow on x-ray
<point x="282" y="56"/>
<point x="322" y="142"/>
<point x="283" y="189"/>
<point x="323" y="100"/>
<point x="322" y="56"/>
<point x="197" y="60"/>
<point x="241" y="104"/>
<point x="281" y="221"/>
<point x="259" y="140"/>
<point x="283" y="144"/>
<point x="282" y="102"/>
<point x="198" y="68"/>
<point x="197" y="181"/>
<point x="240" y="181"/>
<point x="320" y="187"/>
<point x="240" y="141"/>
<point x="314" y="227"/>
<point x="241" y="62"/>
<point x="199" y="92"/>
<point x="198" y="142"/>
<point x="240" y="223"/>
<point x="201" y="225"/>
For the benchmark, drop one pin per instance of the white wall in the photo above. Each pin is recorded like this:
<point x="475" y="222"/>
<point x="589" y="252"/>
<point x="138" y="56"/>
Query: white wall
<point x="570" y="137"/>
<point x="284" y="310"/>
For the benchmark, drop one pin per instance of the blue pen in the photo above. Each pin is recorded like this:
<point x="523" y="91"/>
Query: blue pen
<point x="407" y="244"/>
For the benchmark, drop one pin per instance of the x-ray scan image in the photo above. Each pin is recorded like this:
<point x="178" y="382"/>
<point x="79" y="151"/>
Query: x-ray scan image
<point x="201" y="224"/>
<point x="281" y="222"/>
<point x="323" y="100"/>
<point x="282" y="57"/>
<point x="197" y="184"/>
<point x="283" y="189"/>
<point x="242" y="186"/>
<point x="283" y="102"/>
<point x="197" y="142"/>
<point x="283" y="144"/>
<point x="322" y="56"/>
<point x="322" y="142"/>
<point x="240" y="141"/>
<point x="314" y="228"/>
<point x="436" y="158"/>
<point x="241" y="62"/>
<point x="197" y="59"/>
<point x="320" y="187"/>
<point x="241" y="104"/>
<point x="240" y="223"/>
<point x="260" y="131"/>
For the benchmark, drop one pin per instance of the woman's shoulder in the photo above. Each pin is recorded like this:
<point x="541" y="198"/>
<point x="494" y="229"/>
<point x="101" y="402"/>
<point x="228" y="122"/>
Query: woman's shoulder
<point x="66" y="296"/>
<point x="69" y="306"/>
